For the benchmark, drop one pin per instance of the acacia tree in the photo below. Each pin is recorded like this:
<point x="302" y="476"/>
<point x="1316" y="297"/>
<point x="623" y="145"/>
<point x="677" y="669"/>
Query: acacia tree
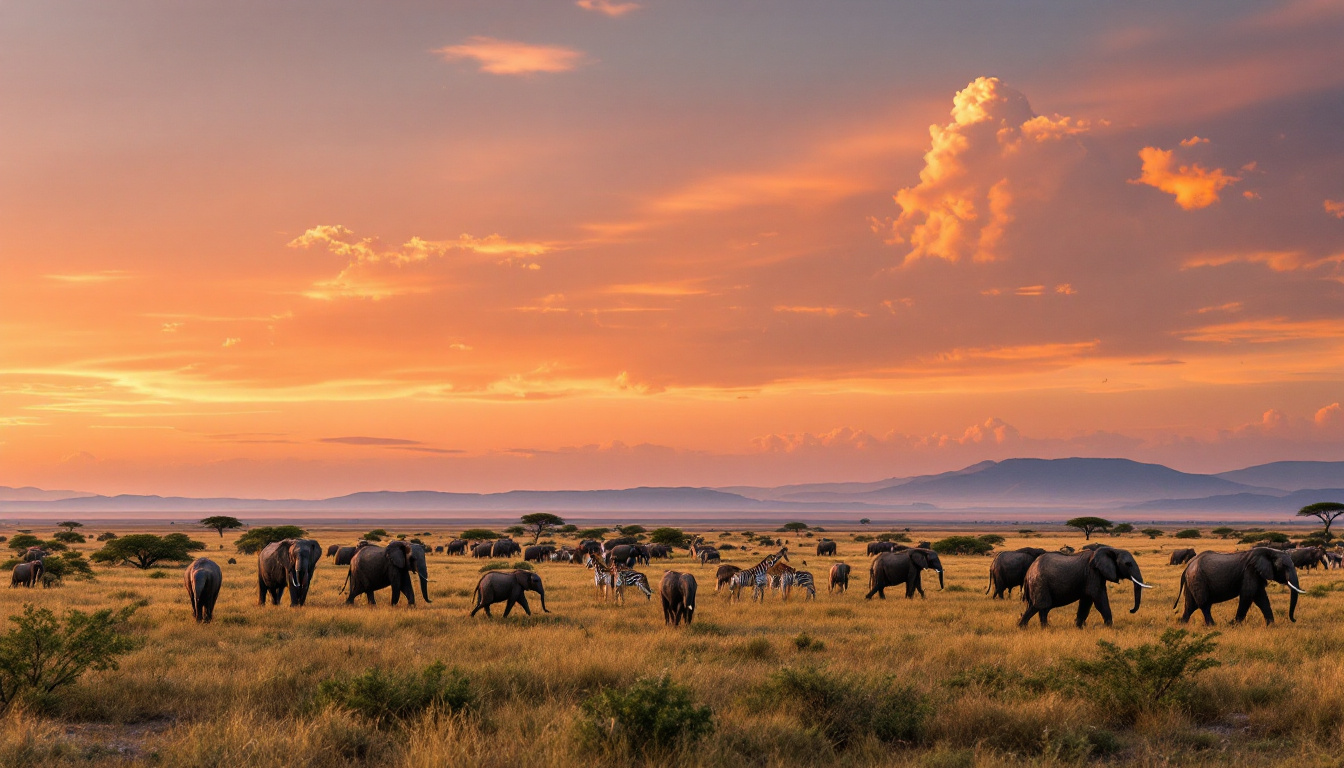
<point x="541" y="523"/>
<point x="143" y="550"/>
<point x="222" y="523"/>
<point x="1089" y="524"/>
<point x="70" y="525"/>
<point x="1325" y="511"/>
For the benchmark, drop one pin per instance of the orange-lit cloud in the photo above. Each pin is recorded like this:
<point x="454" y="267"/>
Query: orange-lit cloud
<point x="608" y="7"/>
<point x="510" y="57"/>
<point x="103" y="276"/>
<point x="994" y="152"/>
<point x="1334" y="208"/>
<point x="1193" y="141"/>
<point x="1193" y="185"/>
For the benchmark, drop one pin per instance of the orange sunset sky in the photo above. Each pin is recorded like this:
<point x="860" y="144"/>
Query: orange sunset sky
<point x="304" y="249"/>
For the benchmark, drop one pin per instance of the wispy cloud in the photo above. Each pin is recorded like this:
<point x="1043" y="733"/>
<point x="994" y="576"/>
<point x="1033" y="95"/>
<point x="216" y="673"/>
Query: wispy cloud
<point x="104" y="276"/>
<point x="510" y="57"/>
<point x="608" y="8"/>
<point x="362" y="440"/>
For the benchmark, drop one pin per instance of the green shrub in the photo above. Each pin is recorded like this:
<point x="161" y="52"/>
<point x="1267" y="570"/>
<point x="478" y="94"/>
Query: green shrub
<point x="255" y="540"/>
<point x="1153" y="533"/>
<point x="391" y="698"/>
<point x="478" y="534"/>
<point x="143" y="550"/>
<point x="1122" y="528"/>
<point x="69" y="537"/>
<point x="1256" y="538"/>
<point x="672" y="537"/>
<point x="652" y="715"/>
<point x="43" y="654"/>
<point x="992" y="539"/>
<point x="899" y="538"/>
<point x="107" y="536"/>
<point x="500" y="565"/>
<point x="861" y="538"/>
<point x="23" y="541"/>
<point x="755" y="649"/>
<point x="68" y="564"/>
<point x="1224" y="532"/>
<point x="962" y="545"/>
<point x="1127" y="681"/>
<point x="843" y="709"/>
<point x="806" y="642"/>
<point x="1188" y="533"/>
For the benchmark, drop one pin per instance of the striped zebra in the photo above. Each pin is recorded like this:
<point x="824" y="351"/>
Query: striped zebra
<point x="755" y="576"/>
<point x="625" y="577"/>
<point x="803" y="580"/>
<point x="780" y="578"/>
<point x="601" y="576"/>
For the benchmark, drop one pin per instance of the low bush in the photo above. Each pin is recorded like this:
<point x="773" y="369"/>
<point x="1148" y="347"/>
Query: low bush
<point x="806" y="642"/>
<point x="652" y="715"/>
<point x="1188" y="533"/>
<point x="962" y="545"/>
<point x="43" y="653"/>
<point x="256" y="539"/>
<point x="1125" y="682"/>
<point x="392" y="698"/>
<point x="899" y="538"/>
<point x="844" y="709"/>
<point x="1260" y="536"/>
<point x="106" y="536"/>
<point x="500" y="565"/>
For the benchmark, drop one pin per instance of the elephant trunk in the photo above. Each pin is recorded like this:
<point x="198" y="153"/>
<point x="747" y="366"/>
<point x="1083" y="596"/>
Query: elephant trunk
<point x="940" y="578"/>
<point x="542" y="591"/>
<point x="423" y="571"/>
<point x="1292" y="601"/>
<point x="1138" y="595"/>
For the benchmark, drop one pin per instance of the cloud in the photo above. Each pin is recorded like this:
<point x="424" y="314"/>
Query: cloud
<point x="1334" y="208"/>
<point x="1192" y="141"/>
<point x="232" y="341"/>
<point x="1277" y="261"/>
<point x="362" y="440"/>
<point x="821" y="311"/>
<point x="993" y="154"/>
<point x="104" y="276"/>
<point x="1193" y="185"/>
<point x="510" y="57"/>
<point x="172" y="327"/>
<point x="1330" y="416"/>
<point x="608" y="8"/>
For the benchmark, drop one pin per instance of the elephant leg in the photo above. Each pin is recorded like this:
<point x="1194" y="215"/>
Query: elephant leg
<point x="1084" y="608"/>
<point x="261" y="591"/>
<point x="1208" y="615"/>
<point x="508" y="607"/>
<point x="1045" y="617"/>
<point x="522" y="602"/>
<point x="369" y="594"/>
<point x="1104" y="608"/>
<point x="1026" y="616"/>
<point x="1262" y="602"/>
<point x="1243" y="606"/>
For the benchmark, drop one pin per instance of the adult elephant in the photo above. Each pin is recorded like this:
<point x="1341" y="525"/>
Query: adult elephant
<point x="343" y="555"/>
<point x="677" y="591"/>
<point x="641" y="553"/>
<point x="508" y="587"/>
<point x="203" y="580"/>
<point x="456" y="547"/>
<point x="482" y="550"/>
<point x="623" y="554"/>
<point x="879" y="547"/>
<point x="1216" y="577"/>
<point x="1056" y="579"/>
<point x="26" y="574"/>
<point x="1009" y="569"/>
<point x="287" y="564"/>
<point x="892" y="568"/>
<point x="826" y="547"/>
<point x="34" y="554"/>
<point x="660" y="552"/>
<point x="724" y="576"/>
<point x="538" y="552"/>
<point x="1181" y="556"/>
<point x="1307" y="557"/>
<point x="505" y="548"/>
<point x="376" y="568"/>
<point x="839" y="578"/>
<point x="418" y="553"/>
<point x="619" y="541"/>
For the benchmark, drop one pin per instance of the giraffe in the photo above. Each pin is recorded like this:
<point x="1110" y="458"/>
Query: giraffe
<point x="755" y="575"/>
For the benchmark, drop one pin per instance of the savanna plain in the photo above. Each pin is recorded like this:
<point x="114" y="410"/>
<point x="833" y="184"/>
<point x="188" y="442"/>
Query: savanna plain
<point x="944" y="681"/>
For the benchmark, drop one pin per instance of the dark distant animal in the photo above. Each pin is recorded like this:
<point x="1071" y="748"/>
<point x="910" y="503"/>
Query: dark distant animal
<point x="622" y="554"/>
<point x="505" y="548"/>
<point x="203" y="579"/>
<point x="839" y="578"/>
<point x="482" y="549"/>
<point x="456" y="547"/>
<point x="33" y="554"/>
<point x="1216" y="577"/>
<point x="677" y="591"/>
<point x="510" y="588"/>
<point x="374" y="568"/>
<point x="703" y="552"/>
<point x="333" y="550"/>
<point x="538" y="552"/>
<point x="891" y="568"/>
<point x="617" y="542"/>
<point x="1009" y="569"/>
<point x="1333" y="560"/>
<point x="1093" y="545"/>
<point x="26" y="574"/>
<point x="1307" y="557"/>
<point x="660" y="552"/>
<point x="724" y="575"/>
<point x="1067" y="550"/>
<point x="1181" y="556"/>
<point x="641" y="553"/>
<point x="344" y="555"/>
<point x="1057" y="579"/>
<point x="825" y="547"/>
<point x="438" y="550"/>
<point x="878" y="547"/>
<point x="923" y="545"/>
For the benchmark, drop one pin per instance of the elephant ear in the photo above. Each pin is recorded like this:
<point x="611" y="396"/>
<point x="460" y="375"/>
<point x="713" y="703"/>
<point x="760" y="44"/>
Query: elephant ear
<point x="1104" y="562"/>
<point x="397" y="554"/>
<point x="920" y="560"/>
<point x="1261" y="564"/>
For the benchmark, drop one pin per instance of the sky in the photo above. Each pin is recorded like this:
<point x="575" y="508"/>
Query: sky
<point x="303" y="249"/>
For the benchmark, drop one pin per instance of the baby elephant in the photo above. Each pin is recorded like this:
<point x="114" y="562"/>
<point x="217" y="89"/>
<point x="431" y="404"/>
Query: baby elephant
<point x="678" y="593"/>
<point x="839" y="578"/>
<point x="203" y="579"/>
<point x="508" y="587"/>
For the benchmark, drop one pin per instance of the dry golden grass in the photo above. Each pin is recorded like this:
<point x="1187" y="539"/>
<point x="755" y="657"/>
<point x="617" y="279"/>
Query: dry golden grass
<point x="240" y="691"/>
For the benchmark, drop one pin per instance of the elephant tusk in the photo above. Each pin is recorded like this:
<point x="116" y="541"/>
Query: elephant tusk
<point x="1295" y="589"/>
<point x="1140" y="583"/>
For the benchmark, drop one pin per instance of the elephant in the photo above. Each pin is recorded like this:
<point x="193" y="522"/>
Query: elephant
<point x="334" y="550"/>
<point x="509" y="587"/>
<point x="456" y="547"/>
<point x="33" y="554"/>
<point x="418" y="553"/>
<point x="375" y="568"/>
<point x="1008" y="570"/>
<point x="1307" y="557"/>
<point x="825" y="547"/>
<point x="839" y="578"/>
<point x="892" y="568"/>
<point x="288" y="563"/>
<point x="505" y="548"/>
<point x="619" y="541"/>
<point x="724" y="576"/>
<point x="438" y="550"/>
<point x="878" y="547"/>
<point x="482" y="549"/>
<point x="660" y="552"/>
<point x="203" y="579"/>
<point x="678" y="593"/>
<point x="923" y="545"/>
<point x="622" y="554"/>
<point x="1181" y="556"/>
<point x="344" y="555"/>
<point x="1057" y="579"/>
<point x="538" y="553"/>
<point x="26" y="574"/>
<point x="1216" y="577"/>
<point x="641" y="554"/>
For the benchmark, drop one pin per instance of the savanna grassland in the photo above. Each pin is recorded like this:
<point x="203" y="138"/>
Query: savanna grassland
<point x="944" y="681"/>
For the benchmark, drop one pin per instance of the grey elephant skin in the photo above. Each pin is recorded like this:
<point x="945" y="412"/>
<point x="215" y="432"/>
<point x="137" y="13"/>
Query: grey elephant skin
<point x="1057" y="579"/>
<point x="839" y="578"/>
<point x="1181" y="556"/>
<point x="482" y="549"/>
<point x="1216" y="577"/>
<point x="538" y="552"/>
<point x="826" y="547"/>
<point x="374" y="568"/>
<point x="418" y="556"/>
<point x="203" y="580"/>
<point x="510" y="588"/>
<point x="1307" y="557"/>
<point x="26" y="574"/>
<point x="1009" y="570"/>
<point x="287" y="564"/>
<point x="343" y="555"/>
<point x="677" y="591"/>
<point x="904" y="567"/>
<point x="878" y="547"/>
<point x="33" y="554"/>
<point x="505" y="548"/>
<point x="623" y="554"/>
<point x="456" y="547"/>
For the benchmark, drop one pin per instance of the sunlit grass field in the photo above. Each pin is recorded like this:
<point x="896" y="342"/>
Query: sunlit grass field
<point x="242" y="691"/>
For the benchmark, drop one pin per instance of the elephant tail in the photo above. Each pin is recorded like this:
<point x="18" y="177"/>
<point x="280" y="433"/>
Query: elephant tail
<point x="346" y="584"/>
<point x="476" y="599"/>
<point x="1179" y="590"/>
<point x="990" y="588"/>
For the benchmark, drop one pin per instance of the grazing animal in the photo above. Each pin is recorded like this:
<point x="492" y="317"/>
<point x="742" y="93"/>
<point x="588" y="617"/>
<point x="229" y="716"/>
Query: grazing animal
<point x="780" y="577"/>
<point x="624" y="577"/>
<point x="508" y="587"/>
<point x="891" y="568"/>
<point x="505" y="548"/>
<point x="26" y="574"/>
<point x="756" y="576"/>
<point x="1058" y="579"/>
<point x="482" y="549"/>
<point x="537" y="553"/>
<point x="203" y="579"/>
<point x="878" y="547"/>
<point x="374" y="568"/>
<point x="839" y="578"/>
<point x="287" y="565"/>
<point x="725" y="575"/>
<point x="1181" y="556"/>
<point x="804" y="581"/>
<point x="456" y="547"/>
<point x="1009" y="569"/>
<point x="677" y="591"/>
<point x="1307" y="557"/>
<point x="825" y="547"/>
<point x="601" y="577"/>
<point x="1216" y="577"/>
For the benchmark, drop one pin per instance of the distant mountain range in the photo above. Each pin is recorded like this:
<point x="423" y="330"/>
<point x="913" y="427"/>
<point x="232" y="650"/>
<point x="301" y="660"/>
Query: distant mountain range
<point x="1034" y="489"/>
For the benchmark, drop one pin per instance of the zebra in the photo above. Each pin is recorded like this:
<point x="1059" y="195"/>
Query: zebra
<point x="703" y="553"/>
<point x="625" y="577"/>
<point x="601" y="576"/>
<point x="803" y="580"/>
<point x="755" y="575"/>
<point x="781" y="578"/>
